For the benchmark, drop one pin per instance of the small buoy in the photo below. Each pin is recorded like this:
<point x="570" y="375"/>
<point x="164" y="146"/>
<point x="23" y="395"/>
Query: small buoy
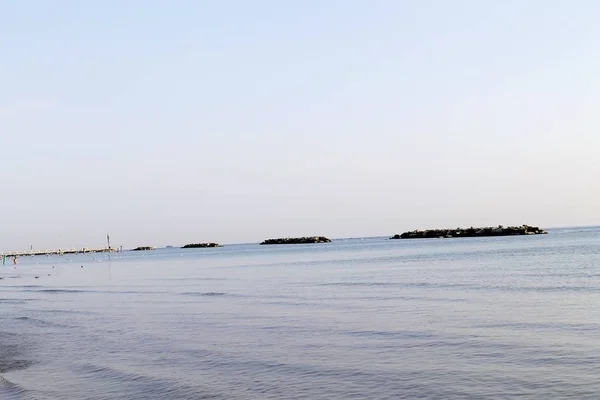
<point x="53" y="266"/>
<point x="82" y="266"/>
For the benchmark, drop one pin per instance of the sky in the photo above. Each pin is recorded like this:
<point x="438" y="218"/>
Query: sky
<point x="173" y="122"/>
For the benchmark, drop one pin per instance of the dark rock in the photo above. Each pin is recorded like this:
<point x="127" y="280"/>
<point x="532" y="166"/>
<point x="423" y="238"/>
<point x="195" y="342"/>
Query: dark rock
<point x="298" y="240"/>
<point x="472" y="232"/>
<point x="144" y="248"/>
<point x="200" y="245"/>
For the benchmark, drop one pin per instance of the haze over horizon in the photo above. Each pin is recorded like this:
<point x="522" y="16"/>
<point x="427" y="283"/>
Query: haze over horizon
<point x="166" y="123"/>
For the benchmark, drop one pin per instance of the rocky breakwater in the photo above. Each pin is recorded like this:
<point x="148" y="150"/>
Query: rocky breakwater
<point x="299" y="240"/>
<point x="201" y="245"/>
<point x="144" y="248"/>
<point x="471" y="232"/>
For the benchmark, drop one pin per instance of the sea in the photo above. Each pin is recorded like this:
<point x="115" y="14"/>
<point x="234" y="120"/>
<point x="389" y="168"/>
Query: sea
<point x="363" y="318"/>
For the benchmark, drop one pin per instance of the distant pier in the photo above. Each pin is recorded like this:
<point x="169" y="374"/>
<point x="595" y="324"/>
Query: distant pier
<point x="59" y="252"/>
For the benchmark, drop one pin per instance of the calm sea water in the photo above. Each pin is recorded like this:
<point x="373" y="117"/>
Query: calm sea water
<point x="354" y="319"/>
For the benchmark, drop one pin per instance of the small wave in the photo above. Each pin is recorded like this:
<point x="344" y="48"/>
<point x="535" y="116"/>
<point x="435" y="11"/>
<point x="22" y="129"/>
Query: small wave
<point x="204" y="294"/>
<point x="474" y="287"/>
<point x="40" y="322"/>
<point x="140" y="385"/>
<point x="187" y="279"/>
<point x="60" y="291"/>
<point x="12" y="301"/>
<point x="542" y="289"/>
<point x="391" y="334"/>
<point x="361" y="284"/>
<point x="10" y="390"/>
<point x="13" y="365"/>
<point x="28" y="286"/>
<point x="420" y="285"/>
<point x="66" y="291"/>
<point x="130" y="292"/>
<point x="578" y="327"/>
<point x="561" y="288"/>
<point x="53" y="311"/>
<point x="11" y="359"/>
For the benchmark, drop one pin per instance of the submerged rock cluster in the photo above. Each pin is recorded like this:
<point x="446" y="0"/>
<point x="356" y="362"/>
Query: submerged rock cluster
<point x="471" y="232"/>
<point x="298" y="240"/>
<point x="200" y="245"/>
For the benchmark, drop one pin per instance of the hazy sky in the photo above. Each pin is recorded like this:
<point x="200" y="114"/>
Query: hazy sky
<point x="169" y="122"/>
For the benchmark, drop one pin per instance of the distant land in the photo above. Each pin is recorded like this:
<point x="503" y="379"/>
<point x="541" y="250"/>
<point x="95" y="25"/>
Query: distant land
<point x="471" y="232"/>
<point x="298" y="240"/>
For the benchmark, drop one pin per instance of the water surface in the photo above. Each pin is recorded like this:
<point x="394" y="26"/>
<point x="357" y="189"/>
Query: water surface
<point x="353" y="319"/>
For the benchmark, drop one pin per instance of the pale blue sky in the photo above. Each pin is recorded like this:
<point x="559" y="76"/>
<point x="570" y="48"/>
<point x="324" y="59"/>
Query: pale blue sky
<point x="168" y="122"/>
